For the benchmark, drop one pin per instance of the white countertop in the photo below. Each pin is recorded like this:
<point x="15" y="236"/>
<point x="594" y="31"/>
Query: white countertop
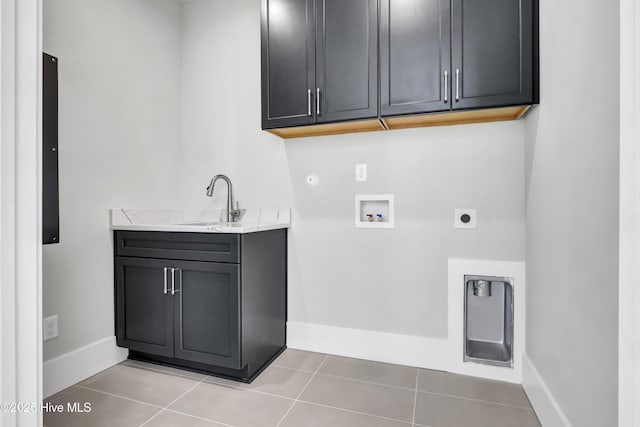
<point x="198" y="221"/>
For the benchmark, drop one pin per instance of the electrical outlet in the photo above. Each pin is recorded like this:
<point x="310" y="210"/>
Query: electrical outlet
<point x="465" y="218"/>
<point x="311" y="179"/>
<point x="50" y="327"/>
<point x="361" y="173"/>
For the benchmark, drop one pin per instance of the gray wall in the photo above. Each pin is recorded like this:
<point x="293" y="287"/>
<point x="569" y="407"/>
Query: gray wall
<point x="572" y="211"/>
<point x="119" y="145"/>
<point x="381" y="280"/>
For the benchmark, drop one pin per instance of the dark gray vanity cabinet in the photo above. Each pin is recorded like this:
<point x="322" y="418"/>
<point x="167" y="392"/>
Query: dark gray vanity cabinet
<point x="214" y="303"/>
<point x="415" y="56"/>
<point x="319" y="61"/>
<point x="493" y="53"/>
<point x="440" y="55"/>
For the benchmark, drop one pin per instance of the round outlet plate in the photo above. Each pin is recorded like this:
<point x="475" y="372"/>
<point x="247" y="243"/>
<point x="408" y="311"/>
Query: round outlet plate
<point x="311" y="179"/>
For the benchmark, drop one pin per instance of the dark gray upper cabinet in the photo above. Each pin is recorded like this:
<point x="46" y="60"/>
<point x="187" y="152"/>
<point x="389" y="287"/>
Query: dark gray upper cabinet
<point x="319" y="61"/>
<point x="288" y="62"/>
<point x="333" y="61"/>
<point x="415" y="56"/>
<point x="346" y="60"/>
<point x="492" y="53"/>
<point x="209" y="294"/>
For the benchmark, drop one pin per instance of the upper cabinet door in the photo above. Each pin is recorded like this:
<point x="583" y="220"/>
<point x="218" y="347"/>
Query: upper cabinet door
<point x="347" y="60"/>
<point x="492" y="49"/>
<point x="415" y="55"/>
<point x="288" y="63"/>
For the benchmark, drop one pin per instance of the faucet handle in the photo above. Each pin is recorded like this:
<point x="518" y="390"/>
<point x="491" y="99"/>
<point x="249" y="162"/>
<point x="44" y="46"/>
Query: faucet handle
<point x="236" y="212"/>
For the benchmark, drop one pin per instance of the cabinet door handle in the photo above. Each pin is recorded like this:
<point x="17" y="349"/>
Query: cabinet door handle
<point x="173" y="281"/>
<point x="309" y="112"/>
<point x="446" y="86"/>
<point x="317" y="101"/>
<point x="457" y="85"/>
<point x="165" y="280"/>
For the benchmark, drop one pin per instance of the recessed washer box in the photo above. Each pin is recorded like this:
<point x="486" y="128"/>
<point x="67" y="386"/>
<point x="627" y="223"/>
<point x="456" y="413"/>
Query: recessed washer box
<point x="374" y="211"/>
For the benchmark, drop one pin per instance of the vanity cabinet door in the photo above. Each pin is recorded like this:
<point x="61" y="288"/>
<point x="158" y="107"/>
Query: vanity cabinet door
<point x="144" y="307"/>
<point x="207" y="313"/>
<point x="492" y="53"/>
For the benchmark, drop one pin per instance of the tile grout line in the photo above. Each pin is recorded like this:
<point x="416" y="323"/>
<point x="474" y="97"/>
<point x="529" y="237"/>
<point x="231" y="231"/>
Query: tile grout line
<point x="159" y="370"/>
<point x="355" y="412"/>
<point x="199" y="418"/>
<point x="234" y="387"/>
<point x="348" y="378"/>
<point x="118" y="396"/>
<point x="415" y="399"/>
<point x="303" y="389"/>
<point x="291" y="369"/>
<point x="300" y="400"/>
<point x="367" y="382"/>
<point x="406" y="388"/>
<point x="212" y="380"/>
<point x="476" y="400"/>
<point x="174" y="401"/>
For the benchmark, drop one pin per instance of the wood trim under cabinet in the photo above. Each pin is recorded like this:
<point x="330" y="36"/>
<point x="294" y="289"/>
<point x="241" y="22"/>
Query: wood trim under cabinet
<point x="456" y="118"/>
<point x="329" y="129"/>
<point x="405" y="122"/>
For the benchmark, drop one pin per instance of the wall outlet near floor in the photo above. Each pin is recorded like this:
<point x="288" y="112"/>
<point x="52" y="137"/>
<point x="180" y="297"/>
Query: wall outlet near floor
<point x="50" y="327"/>
<point x="361" y="173"/>
<point x="465" y="219"/>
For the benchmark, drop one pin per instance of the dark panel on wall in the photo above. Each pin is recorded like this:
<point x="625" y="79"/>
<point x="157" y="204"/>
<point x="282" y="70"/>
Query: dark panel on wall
<point x="50" y="199"/>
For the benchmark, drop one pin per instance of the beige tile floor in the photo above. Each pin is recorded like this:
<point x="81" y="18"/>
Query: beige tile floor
<point x="299" y="389"/>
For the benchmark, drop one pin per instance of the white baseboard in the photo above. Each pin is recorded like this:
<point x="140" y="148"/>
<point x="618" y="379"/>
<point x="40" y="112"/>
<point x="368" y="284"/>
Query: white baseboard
<point x="543" y="402"/>
<point x="407" y="350"/>
<point x="66" y="370"/>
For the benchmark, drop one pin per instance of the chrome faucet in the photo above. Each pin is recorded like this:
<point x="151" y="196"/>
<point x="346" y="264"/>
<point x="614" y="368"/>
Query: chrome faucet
<point x="231" y="213"/>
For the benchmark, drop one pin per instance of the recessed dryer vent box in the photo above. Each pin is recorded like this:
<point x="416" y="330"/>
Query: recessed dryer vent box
<point x="374" y="211"/>
<point x="488" y="327"/>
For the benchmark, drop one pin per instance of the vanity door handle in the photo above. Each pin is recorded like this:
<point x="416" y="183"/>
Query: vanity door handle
<point x="309" y="112"/>
<point x="317" y="101"/>
<point x="457" y="85"/>
<point x="165" y="281"/>
<point x="173" y="280"/>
